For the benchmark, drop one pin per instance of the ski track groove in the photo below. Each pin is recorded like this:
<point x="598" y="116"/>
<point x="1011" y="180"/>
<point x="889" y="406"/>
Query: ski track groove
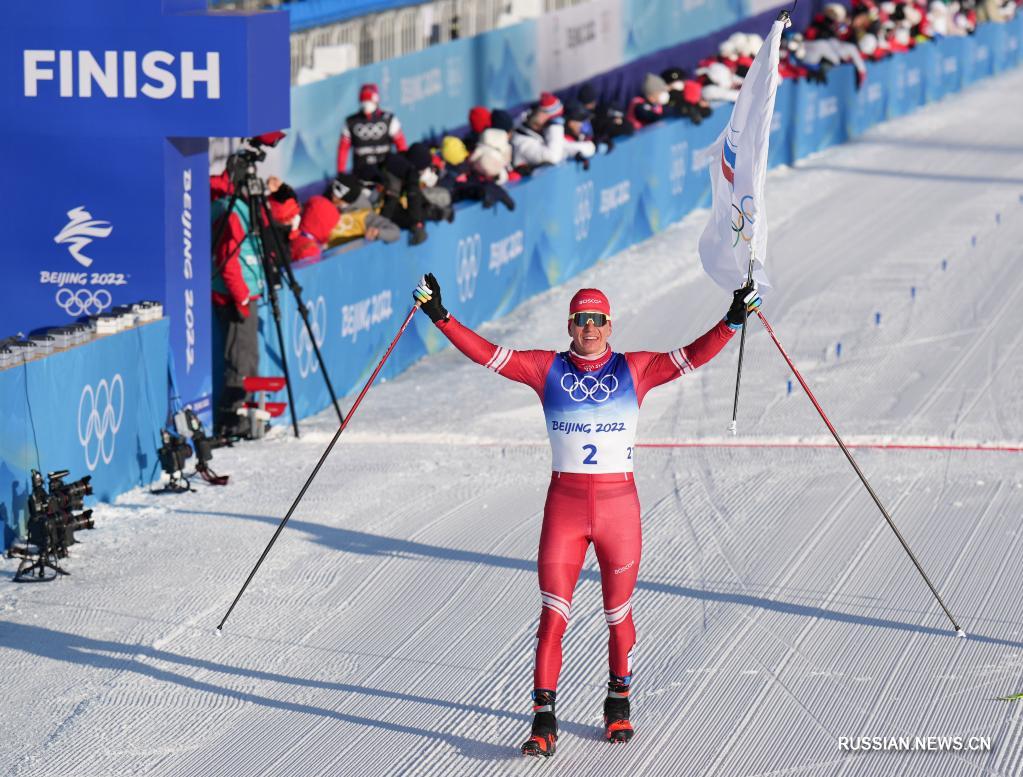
<point x="793" y="649"/>
<point x="895" y="675"/>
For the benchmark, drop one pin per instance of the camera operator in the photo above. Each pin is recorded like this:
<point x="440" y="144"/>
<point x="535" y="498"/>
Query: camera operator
<point x="238" y="282"/>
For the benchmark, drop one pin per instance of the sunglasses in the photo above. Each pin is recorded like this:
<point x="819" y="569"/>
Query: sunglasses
<point x="582" y="318"/>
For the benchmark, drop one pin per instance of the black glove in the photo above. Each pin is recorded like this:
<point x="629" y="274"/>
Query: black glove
<point x="746" y="299"/>
<point x="427" y="294"/>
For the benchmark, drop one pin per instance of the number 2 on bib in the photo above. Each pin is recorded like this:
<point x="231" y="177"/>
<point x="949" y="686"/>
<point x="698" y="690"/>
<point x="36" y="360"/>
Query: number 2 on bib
<point x="591" y="457"/>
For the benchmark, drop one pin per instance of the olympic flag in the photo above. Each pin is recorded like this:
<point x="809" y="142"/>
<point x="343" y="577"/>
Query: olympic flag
<point x="738" y="218"/>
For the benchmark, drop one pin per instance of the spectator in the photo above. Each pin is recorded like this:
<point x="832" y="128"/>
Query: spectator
<point x="462" y="179"/>
<point x="454" y="152"/>
<point x="648" y="107"/>
<point x="789" y="65"/>
<point x="492" y="159"/>
<point x="344" y="214"/>
<point x="237" y="285"/>
<point x="540" y="139"/>
<point x="411" y="194"/>
<point x="369" y="134"/>
<point x="284" y="210"/>
<point x="830" y="23"/>
<point x="479" y="120"/>
<point x="456" y="167"/>
<point x="579" y="143"/>
<point x="719" y="83"/>
<point x="608" y="122"/>
<point x="359" y="218"/>
<point x="685" y="96"/>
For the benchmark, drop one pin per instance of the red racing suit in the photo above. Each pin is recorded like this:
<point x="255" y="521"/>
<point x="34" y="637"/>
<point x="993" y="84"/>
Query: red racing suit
<point x="591" y="407"/>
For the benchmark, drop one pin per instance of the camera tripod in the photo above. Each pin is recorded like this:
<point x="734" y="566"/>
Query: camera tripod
<point x="275" y="261"/>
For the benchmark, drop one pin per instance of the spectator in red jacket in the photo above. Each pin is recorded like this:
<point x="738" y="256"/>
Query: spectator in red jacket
<point x="648" y="107"/>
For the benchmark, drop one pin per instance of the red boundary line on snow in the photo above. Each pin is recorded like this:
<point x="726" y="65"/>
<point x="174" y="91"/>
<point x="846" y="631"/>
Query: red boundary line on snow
<point x="873" y="446"/>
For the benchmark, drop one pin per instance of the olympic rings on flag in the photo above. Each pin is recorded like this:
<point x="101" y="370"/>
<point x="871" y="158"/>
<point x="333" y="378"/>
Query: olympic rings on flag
<point x="742" y="218"/>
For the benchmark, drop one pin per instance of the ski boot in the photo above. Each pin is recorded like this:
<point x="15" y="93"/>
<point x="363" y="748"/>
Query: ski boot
<point x="617" y="727"/>
<point x="544" y="735"/>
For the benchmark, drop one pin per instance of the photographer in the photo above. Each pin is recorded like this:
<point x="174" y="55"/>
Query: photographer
<point x="238" y="282"/>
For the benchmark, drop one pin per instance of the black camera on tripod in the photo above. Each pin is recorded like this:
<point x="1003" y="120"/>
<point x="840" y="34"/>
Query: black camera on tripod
<point x="176" y="450"/>
<point x="53" y="519"/>
<point x="174" y="453"/>
<point x="242" y="162"/>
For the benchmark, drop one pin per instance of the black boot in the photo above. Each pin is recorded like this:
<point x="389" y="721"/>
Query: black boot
<point x="544" y="734"/>
<point x="617" y="727"/>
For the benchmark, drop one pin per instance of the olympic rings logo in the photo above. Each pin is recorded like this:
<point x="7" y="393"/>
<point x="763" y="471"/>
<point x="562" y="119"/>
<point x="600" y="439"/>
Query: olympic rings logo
<point x="583" y="210"/>
<point x="588" y="387"/>
<point x="376" y="130"/>
<point x="742" y="219"/>
<point x="467" y="265"/>
<point x="98" y="421"/>
<point x="301" y="344"/>
<point x="83" y="302"/>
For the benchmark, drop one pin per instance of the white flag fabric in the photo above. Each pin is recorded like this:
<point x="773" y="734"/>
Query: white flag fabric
<point x="738" y="219"/>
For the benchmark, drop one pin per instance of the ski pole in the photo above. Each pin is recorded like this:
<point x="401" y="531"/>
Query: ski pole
<point x="859" y="472"/>
<point x="742" y="347"/>
<point x="323" y="458"/>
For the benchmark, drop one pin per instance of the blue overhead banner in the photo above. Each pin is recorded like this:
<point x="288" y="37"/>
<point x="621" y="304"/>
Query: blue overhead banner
<point x="107" y="108"/>
<point x="192" y="74"/>
<point x="567" y="218"/>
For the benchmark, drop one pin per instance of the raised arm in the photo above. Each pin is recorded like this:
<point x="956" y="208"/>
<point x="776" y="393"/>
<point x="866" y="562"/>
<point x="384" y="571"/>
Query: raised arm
<point x="529" y="367"/>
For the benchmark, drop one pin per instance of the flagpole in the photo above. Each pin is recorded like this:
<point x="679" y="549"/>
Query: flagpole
<point x="732" y="427"/>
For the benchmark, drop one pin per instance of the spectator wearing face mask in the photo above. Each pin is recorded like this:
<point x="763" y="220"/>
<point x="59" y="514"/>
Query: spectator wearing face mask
<point x="648" y="108"/>
<point x="369" y="135"/>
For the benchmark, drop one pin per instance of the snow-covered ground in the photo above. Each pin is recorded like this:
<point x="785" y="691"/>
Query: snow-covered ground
<point x="391" y="629"/>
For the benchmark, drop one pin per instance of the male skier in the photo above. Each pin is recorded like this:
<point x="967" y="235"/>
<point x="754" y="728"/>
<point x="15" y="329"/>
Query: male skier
<point x="591" y="398"/>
